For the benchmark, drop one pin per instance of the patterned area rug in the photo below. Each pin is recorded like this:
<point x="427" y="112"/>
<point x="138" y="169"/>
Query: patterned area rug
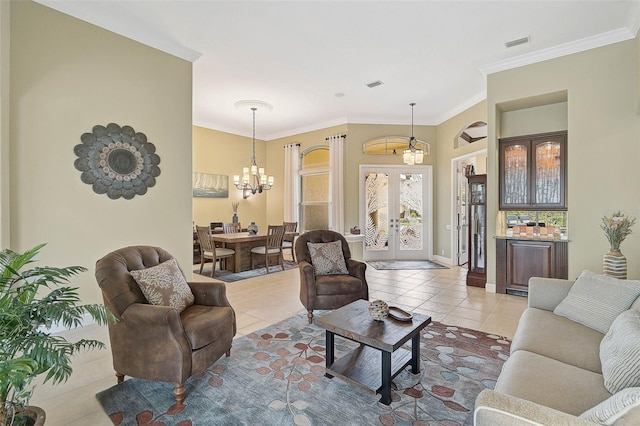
<point x="406" y="264"/>
<point x="230" y="277"/>
<point x="275" y="376"/>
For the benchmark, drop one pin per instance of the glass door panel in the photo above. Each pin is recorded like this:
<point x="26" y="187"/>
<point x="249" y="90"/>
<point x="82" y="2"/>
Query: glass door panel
<point x="376" y="236"/>
<point x="396" y="208"/>
<point x="516" y="181"/>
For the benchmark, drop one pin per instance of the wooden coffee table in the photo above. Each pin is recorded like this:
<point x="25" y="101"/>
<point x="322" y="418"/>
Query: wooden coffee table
<point x="380" y="357"/>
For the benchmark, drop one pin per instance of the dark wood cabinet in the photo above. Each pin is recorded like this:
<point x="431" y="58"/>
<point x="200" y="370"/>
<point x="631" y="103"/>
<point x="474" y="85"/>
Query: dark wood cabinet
<point x="532" y="172"/>
<point x="518" y="260"/>
<point x="477" y="216"/>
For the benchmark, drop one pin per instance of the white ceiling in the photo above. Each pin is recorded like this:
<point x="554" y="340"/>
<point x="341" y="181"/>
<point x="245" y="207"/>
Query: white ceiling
<point x="297" y="55"/>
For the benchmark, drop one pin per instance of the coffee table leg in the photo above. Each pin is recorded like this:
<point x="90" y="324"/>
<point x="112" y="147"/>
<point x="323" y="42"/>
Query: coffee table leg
<point x="329" y="359"/>
<point x="415" y="354"/>
<point x="385" y="391"/>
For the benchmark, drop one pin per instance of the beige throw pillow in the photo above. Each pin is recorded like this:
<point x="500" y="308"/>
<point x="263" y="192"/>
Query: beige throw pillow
<point x="596" y="300"/>
<point x="620" y="352"/>
<point x="327" y="258"/>
<point x="165" y="285"/>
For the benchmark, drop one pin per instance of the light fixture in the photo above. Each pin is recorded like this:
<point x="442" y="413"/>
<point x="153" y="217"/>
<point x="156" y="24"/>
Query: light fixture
<point x="254" y="180"/>
<point x="412" y="155"/>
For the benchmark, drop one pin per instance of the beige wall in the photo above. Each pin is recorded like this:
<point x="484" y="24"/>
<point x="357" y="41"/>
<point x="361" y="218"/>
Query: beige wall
<point x="603" y="146"/>
<point x="226" y="154"/>
<point x="66" y="77"/>
<point x="5" y="188"/>
<point x="530" y="121"/>
<point x="448" y="132"/>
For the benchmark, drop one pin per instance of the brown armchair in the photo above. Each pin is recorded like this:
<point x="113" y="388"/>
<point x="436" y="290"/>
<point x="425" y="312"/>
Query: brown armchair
<point x="157" y="342"/>
<point x="328" y="291"/>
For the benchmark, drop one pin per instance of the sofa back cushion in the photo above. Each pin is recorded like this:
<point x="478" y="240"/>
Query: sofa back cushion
<point x="596" y="300"/>
<point x="620" y="352"/>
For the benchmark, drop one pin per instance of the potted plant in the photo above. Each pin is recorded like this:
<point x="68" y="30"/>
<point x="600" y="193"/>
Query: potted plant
<point x="616" y="228"/>
<point x="32" y="300"/>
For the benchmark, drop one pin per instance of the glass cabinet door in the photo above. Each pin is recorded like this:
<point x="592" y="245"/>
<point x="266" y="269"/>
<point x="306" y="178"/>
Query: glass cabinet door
<point x="548" y="172"/>
<point x="532" y="172"/>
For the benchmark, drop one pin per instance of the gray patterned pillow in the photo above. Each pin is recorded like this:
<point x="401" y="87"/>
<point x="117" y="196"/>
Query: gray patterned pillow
<point x="596" y="300"/>
<point x="620" y="352"/>
<point x="164" y="284"/>
<point x="327" y="258"/>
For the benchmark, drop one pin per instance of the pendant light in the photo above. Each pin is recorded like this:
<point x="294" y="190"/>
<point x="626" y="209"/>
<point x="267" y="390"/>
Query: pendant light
<point x="412" y="155"/>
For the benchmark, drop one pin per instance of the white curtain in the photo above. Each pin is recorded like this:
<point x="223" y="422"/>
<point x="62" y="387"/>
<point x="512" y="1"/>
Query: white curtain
<point x="291" y="182"/>
<point x="336" y="183"/>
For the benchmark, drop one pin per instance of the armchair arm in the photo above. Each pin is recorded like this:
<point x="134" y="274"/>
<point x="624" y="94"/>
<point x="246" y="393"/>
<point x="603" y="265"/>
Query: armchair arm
<point x="547" y="293"/>
<point x="356" y="268"/>
<point x="210" y="293"/>
<point x="143" y="333"/>
<point x="307" y="284"/>
<point x="498" y="409"/>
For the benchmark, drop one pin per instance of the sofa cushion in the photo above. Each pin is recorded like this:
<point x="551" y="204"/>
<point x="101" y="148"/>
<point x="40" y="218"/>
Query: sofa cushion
<point x="620" y="352"/>
<point x="596" y="300"/>
<point x="614" y="408"/>
<point x="204" y="324"/>
<point x="165" y="285"/>
<point x="551" y="383"/>
<point x="545" y="333"/>
<point x="328" y="285"/>
<point x="327" y="258"/>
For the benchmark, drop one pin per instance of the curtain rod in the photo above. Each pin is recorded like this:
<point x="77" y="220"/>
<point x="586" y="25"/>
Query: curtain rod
<point x="342" y="136"/>
<point x="291" y="144"/>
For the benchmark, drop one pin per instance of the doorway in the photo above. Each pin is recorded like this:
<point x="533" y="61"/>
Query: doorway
<point x="459" y="208"/>
<point x="396" y="204"/>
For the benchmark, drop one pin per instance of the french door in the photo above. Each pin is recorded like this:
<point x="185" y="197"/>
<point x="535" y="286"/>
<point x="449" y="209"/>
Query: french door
<point x="396" y="204"/>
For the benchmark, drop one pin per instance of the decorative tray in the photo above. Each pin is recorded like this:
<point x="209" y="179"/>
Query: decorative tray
<point x="399" y="314"/>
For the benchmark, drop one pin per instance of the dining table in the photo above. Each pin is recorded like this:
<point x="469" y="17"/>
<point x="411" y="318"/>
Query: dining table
<point x="242" y="243"/>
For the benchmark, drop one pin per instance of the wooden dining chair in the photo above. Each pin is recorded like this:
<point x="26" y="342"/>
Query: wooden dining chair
<point x="209" y="251"/>
<point x="273" y="247"/>
<point x="231" y="228"/>
<point x="290" y="229"/>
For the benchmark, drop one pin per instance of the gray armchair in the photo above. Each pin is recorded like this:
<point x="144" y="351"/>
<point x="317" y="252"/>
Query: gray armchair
<point x="157" y="342"/>
<point x="328" y="291"/>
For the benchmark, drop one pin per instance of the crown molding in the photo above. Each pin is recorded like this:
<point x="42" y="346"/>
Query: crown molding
<point x="460" y="108"/>
<point x="305" y="129"/>
<point x="581" y="45"/>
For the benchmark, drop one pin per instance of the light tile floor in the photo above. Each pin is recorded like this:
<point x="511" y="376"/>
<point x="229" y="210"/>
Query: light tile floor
<point x="265" y="300"/>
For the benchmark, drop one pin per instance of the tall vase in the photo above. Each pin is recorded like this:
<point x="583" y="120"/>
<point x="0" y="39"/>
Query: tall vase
<point x="615" y="264"/>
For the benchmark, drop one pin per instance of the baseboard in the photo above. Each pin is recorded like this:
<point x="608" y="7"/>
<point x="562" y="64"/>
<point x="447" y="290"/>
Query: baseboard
<point x="56" y="328"/>
<point x="490" y="288"/>
<point x="443" y="260"/>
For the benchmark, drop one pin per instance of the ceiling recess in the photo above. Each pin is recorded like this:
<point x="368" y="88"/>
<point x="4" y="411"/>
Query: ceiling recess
<point x="517" y="42"/>
<point x="374" y="84"/>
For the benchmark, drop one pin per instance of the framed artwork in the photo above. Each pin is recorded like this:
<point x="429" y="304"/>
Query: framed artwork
<point x="207" y="185"/>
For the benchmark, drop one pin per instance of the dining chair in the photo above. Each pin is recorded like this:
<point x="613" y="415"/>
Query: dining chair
<point x="231" y="228"/>
<point x="209" y="251"/>
<point x="273" y="247"/>
<point x="290" y="229"/>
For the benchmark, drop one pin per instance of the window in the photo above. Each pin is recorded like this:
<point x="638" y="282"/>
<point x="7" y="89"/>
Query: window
<point x="314" y="208"/>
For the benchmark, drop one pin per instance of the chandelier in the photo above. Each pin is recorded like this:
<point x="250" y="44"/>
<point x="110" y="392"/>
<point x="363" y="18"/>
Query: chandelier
<point x="412" y="155"/>
<point x="254" y="180"/>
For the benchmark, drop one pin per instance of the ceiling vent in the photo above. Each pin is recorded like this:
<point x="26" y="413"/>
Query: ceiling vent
<point x="517" y="42"/>
<point x="374" y="84"/>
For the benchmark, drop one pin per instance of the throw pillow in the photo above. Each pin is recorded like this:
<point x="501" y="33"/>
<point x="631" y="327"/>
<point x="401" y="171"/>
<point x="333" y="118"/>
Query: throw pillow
<point x="620" y="352"/>
<point x="327" y="258"/>
<point x="165" y="285"/>
<point x="614" y="407"/>
<point x="596" y="300"/>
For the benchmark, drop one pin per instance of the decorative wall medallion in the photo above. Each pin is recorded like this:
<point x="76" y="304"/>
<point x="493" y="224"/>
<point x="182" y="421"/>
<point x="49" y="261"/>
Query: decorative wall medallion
<point x="117" y="161"/>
